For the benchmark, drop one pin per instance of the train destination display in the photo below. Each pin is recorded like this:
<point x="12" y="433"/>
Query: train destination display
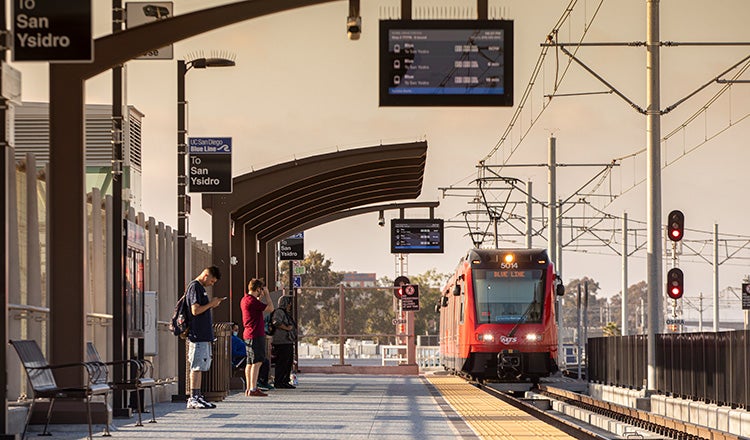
<point x="446" y="63"/>
<point x="416" y="236"/>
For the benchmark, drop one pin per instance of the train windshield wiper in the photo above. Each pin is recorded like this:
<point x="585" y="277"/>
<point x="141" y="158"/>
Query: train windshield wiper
<point x="522" y="319"/>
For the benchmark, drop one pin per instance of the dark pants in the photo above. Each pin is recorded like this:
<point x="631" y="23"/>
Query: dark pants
<point x="265" y="368"/>
<point x="284" y="358"/>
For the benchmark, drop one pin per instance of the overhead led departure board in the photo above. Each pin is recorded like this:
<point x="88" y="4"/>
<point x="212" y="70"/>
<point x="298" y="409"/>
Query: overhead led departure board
<point x="416" y="236"/>
<point x="446" y="63"/>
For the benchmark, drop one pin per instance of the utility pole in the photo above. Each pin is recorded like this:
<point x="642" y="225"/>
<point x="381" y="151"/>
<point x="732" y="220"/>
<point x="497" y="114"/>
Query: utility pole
<point x="119" y="332"/>
<point x="653" y="179"/>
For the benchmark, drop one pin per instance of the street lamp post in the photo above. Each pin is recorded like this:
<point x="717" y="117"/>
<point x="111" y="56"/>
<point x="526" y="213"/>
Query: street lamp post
<point x="182" y="69"/>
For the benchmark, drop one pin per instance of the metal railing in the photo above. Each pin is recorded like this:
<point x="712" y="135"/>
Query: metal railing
<point x="709" y="367"/>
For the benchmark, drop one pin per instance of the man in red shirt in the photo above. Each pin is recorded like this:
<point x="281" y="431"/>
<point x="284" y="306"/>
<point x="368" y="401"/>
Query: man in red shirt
<point x="254" y="335"/>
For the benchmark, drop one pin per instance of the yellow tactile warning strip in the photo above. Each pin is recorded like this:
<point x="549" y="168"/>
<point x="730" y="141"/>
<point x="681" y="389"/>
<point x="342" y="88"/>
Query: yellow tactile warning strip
<point x="489" y="417"/>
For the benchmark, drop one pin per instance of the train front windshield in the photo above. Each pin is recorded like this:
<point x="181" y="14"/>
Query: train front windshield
<point x="508" y="296"/>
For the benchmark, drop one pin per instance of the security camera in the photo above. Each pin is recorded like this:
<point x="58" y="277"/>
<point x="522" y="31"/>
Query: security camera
<point x="155" y="11"/>
<point x="353" y="27"/>
<point x="381" y="219"/>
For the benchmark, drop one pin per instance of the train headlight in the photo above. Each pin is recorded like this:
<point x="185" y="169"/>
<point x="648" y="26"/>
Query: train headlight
<point x="485" y="337"/>
<point x="533" y="337"/>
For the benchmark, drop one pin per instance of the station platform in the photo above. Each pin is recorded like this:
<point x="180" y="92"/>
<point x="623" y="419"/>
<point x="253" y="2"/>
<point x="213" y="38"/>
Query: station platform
<point x="326" y="406"/>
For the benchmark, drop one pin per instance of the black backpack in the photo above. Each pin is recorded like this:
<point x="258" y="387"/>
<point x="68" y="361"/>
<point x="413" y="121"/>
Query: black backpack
<point x="269" y="327"/>
<point x="180" y="324"/>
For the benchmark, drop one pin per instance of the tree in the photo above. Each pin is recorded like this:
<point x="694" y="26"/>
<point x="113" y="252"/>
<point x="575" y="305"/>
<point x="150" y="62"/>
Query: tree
<point x="430" y="283"/>
<point x="570" y="306"/>
<point x="611" y="329"/>
<point x="317" y="309"/>
<point x="637" y="301"/>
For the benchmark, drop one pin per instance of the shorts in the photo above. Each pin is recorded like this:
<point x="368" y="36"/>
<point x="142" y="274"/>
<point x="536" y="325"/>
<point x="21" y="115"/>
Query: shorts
<point x="256" y="350"/>
<point x="199" y="355"/>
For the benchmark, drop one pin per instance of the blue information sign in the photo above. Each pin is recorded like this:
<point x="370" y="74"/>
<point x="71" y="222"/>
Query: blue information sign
<point x="210" y="165"/>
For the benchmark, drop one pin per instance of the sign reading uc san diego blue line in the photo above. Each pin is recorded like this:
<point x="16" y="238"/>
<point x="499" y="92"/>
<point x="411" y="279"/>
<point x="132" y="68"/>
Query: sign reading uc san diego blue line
<point x="52" y="30"/>
<point x="210" y="165"/>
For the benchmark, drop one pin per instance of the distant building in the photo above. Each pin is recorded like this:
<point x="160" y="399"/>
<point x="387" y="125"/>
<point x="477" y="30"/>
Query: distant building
<point x="356" y="279"/>
<point x="31" y="135"/>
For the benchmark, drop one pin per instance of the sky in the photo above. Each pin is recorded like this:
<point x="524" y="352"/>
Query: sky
<point x="301" y="88"/>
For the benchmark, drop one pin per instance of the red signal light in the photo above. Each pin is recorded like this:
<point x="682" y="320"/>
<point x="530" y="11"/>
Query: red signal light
<point x="675" y="283"/>
<point x="675" y="225"/>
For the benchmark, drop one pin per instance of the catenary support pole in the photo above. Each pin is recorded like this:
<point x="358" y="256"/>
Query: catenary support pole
<point x="551" y="199"/>
<point x="624" y="251"/>
<point x="653" y="179"/>
<point x="579" y="350"/>
<point x="559" y="299"/>
<point x="716" y="277"/>
<point x="529" y="214"/>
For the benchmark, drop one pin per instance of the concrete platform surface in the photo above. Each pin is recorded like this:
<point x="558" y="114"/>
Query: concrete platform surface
<point x="322" y="407"/>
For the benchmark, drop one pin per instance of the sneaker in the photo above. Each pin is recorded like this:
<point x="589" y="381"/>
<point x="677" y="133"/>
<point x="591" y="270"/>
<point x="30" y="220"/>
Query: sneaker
<point x="265" y="386"/>
<point x="257" y="393"/>
<point x="286" y="385"/>
<point x="193" y="403"/>
<point x="205" y="403"/>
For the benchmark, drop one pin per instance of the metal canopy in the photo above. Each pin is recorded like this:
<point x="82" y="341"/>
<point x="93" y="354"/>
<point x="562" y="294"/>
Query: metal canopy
<point x="277" y="201"/>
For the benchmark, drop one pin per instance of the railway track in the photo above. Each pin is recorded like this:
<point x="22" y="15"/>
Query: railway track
<point x="660" y="426"/>
<point x="665" y="426"/>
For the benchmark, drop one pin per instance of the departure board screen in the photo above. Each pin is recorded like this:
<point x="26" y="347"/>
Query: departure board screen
<point x="411" y="236"/>
<point x="446" y="63"/>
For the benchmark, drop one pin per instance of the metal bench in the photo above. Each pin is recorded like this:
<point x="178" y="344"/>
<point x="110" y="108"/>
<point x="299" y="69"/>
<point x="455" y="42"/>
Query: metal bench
<point x="141" y="378"/>
<point x="43" y="384"/>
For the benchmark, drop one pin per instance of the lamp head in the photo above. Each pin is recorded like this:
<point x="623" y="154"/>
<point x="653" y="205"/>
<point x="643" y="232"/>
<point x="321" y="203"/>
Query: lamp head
<point x="202" y="63"/>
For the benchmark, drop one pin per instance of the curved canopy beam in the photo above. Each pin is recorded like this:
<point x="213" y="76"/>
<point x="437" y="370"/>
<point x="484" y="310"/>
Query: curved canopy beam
<point x="266" y="203"/>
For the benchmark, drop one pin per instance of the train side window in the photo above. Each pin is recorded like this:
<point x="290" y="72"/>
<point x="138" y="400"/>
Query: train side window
<point x="461" y="310"/>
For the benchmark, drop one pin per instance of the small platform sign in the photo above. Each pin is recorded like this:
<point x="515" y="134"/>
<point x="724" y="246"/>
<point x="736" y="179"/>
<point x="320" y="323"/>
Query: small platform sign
<point x="410" y="298"/>
<point x="745" y="296"/>
<point x="292" y="248"/>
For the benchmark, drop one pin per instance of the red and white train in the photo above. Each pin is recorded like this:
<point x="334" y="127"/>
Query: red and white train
<point x="497" y="315"/>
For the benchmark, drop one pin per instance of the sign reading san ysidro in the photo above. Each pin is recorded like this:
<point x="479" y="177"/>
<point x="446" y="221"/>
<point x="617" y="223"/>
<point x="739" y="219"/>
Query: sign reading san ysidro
<point x="52" y="30"/>
<point x="210" y="165"/>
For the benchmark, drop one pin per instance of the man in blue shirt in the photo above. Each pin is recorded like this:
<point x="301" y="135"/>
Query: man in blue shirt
<point x="239" y="352"/>
<point x="201" y="332"/>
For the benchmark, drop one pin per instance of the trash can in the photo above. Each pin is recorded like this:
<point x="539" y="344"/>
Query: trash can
<point x="215" y="381"/>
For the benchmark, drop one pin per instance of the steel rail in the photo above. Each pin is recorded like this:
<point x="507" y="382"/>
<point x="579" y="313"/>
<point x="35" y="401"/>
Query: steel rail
<point x="656" y="423"/>
<point x="576" y="431"/>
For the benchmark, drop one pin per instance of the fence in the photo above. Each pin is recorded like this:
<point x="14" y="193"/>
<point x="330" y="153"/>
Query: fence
<point x="709" y="367"/>
<point x="355" y="325"/>
<point x="28" y="297"/>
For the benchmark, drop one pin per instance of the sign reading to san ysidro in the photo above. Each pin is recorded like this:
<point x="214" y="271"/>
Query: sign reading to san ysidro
<point x="292" y="248"/>
<point x="210" y="165"/>
<point x="52" y="30"/>
<point x="745" y="296"/>
<point x="410" y="298"/>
